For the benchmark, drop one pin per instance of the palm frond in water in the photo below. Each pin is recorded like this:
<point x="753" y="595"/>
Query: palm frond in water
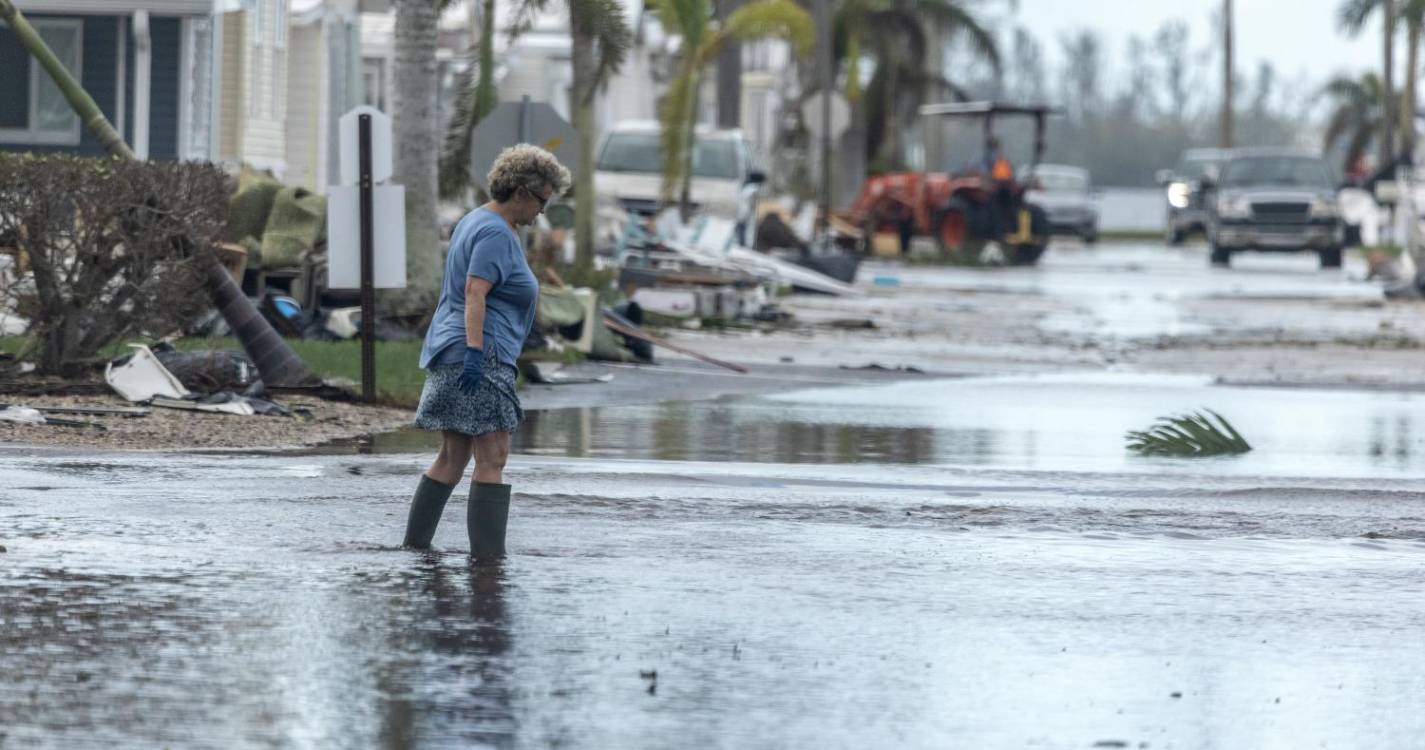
<point x="1188" y="435"/>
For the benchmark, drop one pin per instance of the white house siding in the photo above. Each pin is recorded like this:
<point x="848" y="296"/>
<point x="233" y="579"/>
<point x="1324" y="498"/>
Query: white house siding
<point x="264" y="85"/>
<point x="231" y="96"/>
<point x="305" y="70"/>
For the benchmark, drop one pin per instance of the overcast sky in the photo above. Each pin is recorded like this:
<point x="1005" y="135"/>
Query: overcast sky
<point x="1298" y="36"/>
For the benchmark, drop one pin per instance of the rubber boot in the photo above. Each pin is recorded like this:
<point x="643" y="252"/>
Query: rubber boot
<point x="485" y="519"/>
<point x="426" y="508"/>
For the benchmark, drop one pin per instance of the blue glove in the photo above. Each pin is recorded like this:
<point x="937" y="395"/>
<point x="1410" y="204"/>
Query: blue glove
<point x="474" y="369"/>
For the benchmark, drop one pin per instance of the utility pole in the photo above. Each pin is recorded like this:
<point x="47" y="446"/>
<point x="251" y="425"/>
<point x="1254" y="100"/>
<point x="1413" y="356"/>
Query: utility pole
<point x="823" y="72"/>
<point x="729" y="72"/>
<point x="1228" y="84"/>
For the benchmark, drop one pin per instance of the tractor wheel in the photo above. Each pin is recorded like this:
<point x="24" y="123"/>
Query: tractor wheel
<point x="1028" y="253"/>
<point x="959" y="233"/>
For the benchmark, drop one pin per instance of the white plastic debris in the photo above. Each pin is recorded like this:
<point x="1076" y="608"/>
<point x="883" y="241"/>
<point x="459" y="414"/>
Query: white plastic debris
<point x="143" y="377"/>
<point x="23" y="414"/>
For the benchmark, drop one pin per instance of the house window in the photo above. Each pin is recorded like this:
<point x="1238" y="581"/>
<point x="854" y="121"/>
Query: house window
<point x="373" y="82"/>
<point x="32" y="108"/>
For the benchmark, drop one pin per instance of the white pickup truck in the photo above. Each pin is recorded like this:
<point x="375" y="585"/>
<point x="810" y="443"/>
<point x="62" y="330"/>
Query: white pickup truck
<point x="629" y="171"/>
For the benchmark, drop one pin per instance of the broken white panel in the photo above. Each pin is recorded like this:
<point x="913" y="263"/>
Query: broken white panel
<point x="143" y="377"/>
<point x="239" y="407"/>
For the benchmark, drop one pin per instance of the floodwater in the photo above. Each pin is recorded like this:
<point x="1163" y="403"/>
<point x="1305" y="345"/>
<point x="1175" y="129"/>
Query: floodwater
<point x="936" y="563"/>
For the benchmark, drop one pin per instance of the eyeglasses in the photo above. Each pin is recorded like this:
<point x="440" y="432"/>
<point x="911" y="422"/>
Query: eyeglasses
<point x="542" y="200"/>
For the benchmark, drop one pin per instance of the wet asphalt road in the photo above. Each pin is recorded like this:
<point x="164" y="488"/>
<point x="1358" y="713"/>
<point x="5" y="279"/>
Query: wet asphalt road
<point x="927" y="563"/>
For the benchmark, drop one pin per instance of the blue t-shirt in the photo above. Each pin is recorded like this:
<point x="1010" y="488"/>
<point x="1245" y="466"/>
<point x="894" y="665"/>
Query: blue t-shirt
<point x="485" y="246"/>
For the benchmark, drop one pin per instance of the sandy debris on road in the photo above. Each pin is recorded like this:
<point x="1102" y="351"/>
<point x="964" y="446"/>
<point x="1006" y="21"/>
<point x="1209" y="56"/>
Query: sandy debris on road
<point x="178" y="429"/>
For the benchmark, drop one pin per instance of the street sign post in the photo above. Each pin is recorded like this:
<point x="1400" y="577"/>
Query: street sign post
<point x="362" y="219"/>
<point x="523" y="121"/>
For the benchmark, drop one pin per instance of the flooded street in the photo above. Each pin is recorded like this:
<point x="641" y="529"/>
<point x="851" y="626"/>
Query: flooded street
<point x="962" y="558"/>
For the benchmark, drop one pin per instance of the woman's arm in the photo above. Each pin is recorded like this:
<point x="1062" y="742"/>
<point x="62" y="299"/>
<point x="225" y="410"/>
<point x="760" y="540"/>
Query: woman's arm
<point x="475" y="290"/>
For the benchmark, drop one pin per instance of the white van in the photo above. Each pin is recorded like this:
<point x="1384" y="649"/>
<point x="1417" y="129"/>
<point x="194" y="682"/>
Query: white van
<point x="629" y="171"/>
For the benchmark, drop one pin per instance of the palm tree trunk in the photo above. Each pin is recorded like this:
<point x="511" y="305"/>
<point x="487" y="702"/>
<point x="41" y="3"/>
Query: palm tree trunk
<point x="275" y="360"/>
<point x="581" y="107"/>
<point x="79" y="99"/>
<point x="415" y="128"/>
<point x="690" y="142"/>
<point x="1387" y="136"/>
<point x="729" y="73"/>
<point x="1408" y="97"/>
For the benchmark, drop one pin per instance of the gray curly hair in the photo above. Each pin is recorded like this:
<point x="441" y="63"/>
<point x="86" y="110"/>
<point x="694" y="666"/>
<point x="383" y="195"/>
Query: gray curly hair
<point x="526" y="166"/>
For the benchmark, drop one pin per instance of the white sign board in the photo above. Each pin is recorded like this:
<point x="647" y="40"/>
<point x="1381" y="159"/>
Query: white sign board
<point x="840" y="115"/>
<point x="350" y="129"/>
<point x="388" y="225"/>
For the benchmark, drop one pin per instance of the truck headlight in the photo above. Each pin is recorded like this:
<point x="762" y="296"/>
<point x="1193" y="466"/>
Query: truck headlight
<point x="1233" y="208"/>
<point x="1323" y="209"/>
<point x="1178" y="194"/>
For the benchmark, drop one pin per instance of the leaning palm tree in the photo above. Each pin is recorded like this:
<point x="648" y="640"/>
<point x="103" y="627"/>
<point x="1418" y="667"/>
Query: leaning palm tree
<point x="1357" y="112"/>
<point x="477" y="98"/>
<point x="896" y="35"/>
<point x="702" y="42"/>
<point x="275" y="360"/>
<point x="1352" y="16"/>
<point x="600" y="40"/>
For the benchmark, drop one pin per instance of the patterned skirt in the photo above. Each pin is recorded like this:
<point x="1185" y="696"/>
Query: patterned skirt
<point x="493" y="407"/>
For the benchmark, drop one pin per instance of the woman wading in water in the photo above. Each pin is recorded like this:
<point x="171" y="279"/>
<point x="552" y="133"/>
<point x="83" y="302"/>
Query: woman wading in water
<point x="486" y="308"/>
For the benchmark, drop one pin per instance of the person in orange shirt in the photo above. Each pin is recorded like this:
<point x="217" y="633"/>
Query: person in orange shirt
<point x="1001" y="174"/>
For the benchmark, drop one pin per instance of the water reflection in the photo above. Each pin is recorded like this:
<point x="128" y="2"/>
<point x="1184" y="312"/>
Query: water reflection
<point x="460" y="616"/>
<point x="741" y="431"/>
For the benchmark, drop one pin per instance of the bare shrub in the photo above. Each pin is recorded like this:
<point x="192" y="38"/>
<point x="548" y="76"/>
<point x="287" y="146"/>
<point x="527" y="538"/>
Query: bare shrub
<point x="113" y="248"/>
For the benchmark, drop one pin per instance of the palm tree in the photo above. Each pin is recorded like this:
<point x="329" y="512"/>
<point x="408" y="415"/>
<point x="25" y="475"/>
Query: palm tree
<point x="275" y="360"/>
<point x="1357" y="113"/>
<point x="1413" y="13"/>
<point x="415" y="130"/>
<point x="702" y="42"/>
<point x="477" y="99"/>
<point x="1352" y="16"/>
<point x="897" y="35"/>
<point x="599" y="43"/>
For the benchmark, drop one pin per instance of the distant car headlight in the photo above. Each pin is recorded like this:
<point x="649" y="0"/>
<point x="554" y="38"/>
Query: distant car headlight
<point x="1233" y="208"/>
<point x="1323" y="209"/>
<point x="1178" y="194"/>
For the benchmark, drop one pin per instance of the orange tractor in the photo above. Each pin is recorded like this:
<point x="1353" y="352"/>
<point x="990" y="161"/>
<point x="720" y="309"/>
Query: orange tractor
<point x="964" y="211"/>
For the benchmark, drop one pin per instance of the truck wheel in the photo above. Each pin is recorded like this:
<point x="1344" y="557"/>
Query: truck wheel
<point x="1330" y="257"/>
<point x="1221" y="256"/>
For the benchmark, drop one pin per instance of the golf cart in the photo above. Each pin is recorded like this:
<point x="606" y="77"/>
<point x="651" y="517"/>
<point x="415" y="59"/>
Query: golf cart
<point x="963" y="211"/>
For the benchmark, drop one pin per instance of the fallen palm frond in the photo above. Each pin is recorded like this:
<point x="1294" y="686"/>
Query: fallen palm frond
<point x="1188" y="435"/>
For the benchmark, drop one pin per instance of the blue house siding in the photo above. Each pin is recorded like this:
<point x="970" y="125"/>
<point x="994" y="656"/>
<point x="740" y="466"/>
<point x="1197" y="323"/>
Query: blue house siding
<point x="101" y="41"/>
<point x="100" y="79"/>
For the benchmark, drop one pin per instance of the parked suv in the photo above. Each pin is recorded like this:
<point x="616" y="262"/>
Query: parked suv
<point x="1185" y="193"/>
<point x="1067" y="197"/>
<point x="629" y="172"/>
<point x="1274" y="200"/>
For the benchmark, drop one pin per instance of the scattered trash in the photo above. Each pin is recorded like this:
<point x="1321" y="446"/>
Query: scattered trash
<point x="877" y="367"/>
<point x="615" y="323"/>
<point x="886" y="281"/>
<point x="853" y="324"/>
<point x="209" y="370"/>
<point x="96" y="411"/>
<point x="21" y="414"/>
<point x="545" y="374"/>
<point x="28" y="415"/>
<point x="141" y="376"/>
<point x="1189" y="436"/>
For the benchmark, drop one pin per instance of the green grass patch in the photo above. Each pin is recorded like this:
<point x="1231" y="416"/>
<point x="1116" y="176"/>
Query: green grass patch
<point x="1390" y="251"/>
<point x="399" y="377"/>
<point x="1130" y="235"/>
